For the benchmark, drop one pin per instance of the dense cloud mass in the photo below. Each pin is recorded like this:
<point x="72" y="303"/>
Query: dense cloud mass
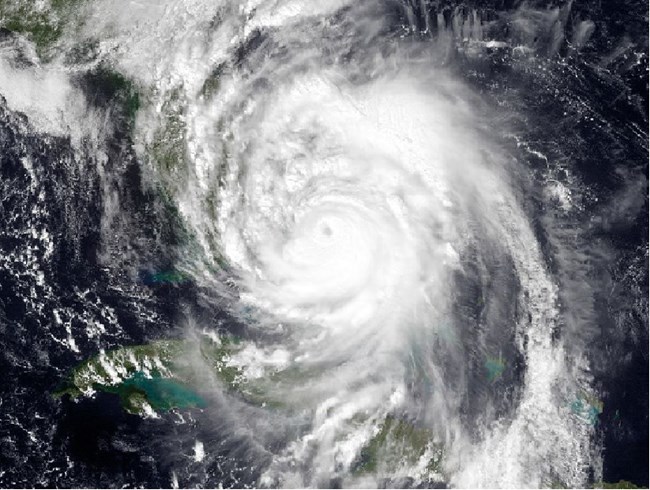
<point x="330" y="244"/>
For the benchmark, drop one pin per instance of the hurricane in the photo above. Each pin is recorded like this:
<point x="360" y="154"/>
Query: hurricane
<point x="336" y="244"/>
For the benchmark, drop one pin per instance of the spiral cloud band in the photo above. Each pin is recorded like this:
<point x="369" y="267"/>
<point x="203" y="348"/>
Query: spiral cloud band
<point x="364" y="214"/>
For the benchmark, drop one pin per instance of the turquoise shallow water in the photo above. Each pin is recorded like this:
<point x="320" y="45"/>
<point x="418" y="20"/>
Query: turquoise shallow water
<point x="162" y="393"/>
<point x="94" y="238"/>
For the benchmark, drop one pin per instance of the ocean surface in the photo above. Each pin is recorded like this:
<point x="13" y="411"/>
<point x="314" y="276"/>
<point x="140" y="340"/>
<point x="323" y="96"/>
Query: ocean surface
<point x="425" y="223"/>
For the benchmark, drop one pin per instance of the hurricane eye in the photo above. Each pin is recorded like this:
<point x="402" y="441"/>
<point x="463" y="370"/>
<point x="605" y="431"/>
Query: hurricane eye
<point x="385" y="243"/>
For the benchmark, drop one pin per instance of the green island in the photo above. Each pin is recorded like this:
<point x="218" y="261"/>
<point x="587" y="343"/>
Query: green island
<point x="43" y="24"/>
<point x="400" y="444"/>
<point x="153" y="377"/>
<point x="163" y="375"/>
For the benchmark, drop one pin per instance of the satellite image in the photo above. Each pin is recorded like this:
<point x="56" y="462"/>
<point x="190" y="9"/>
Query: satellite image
<point x="324" y="243"/>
